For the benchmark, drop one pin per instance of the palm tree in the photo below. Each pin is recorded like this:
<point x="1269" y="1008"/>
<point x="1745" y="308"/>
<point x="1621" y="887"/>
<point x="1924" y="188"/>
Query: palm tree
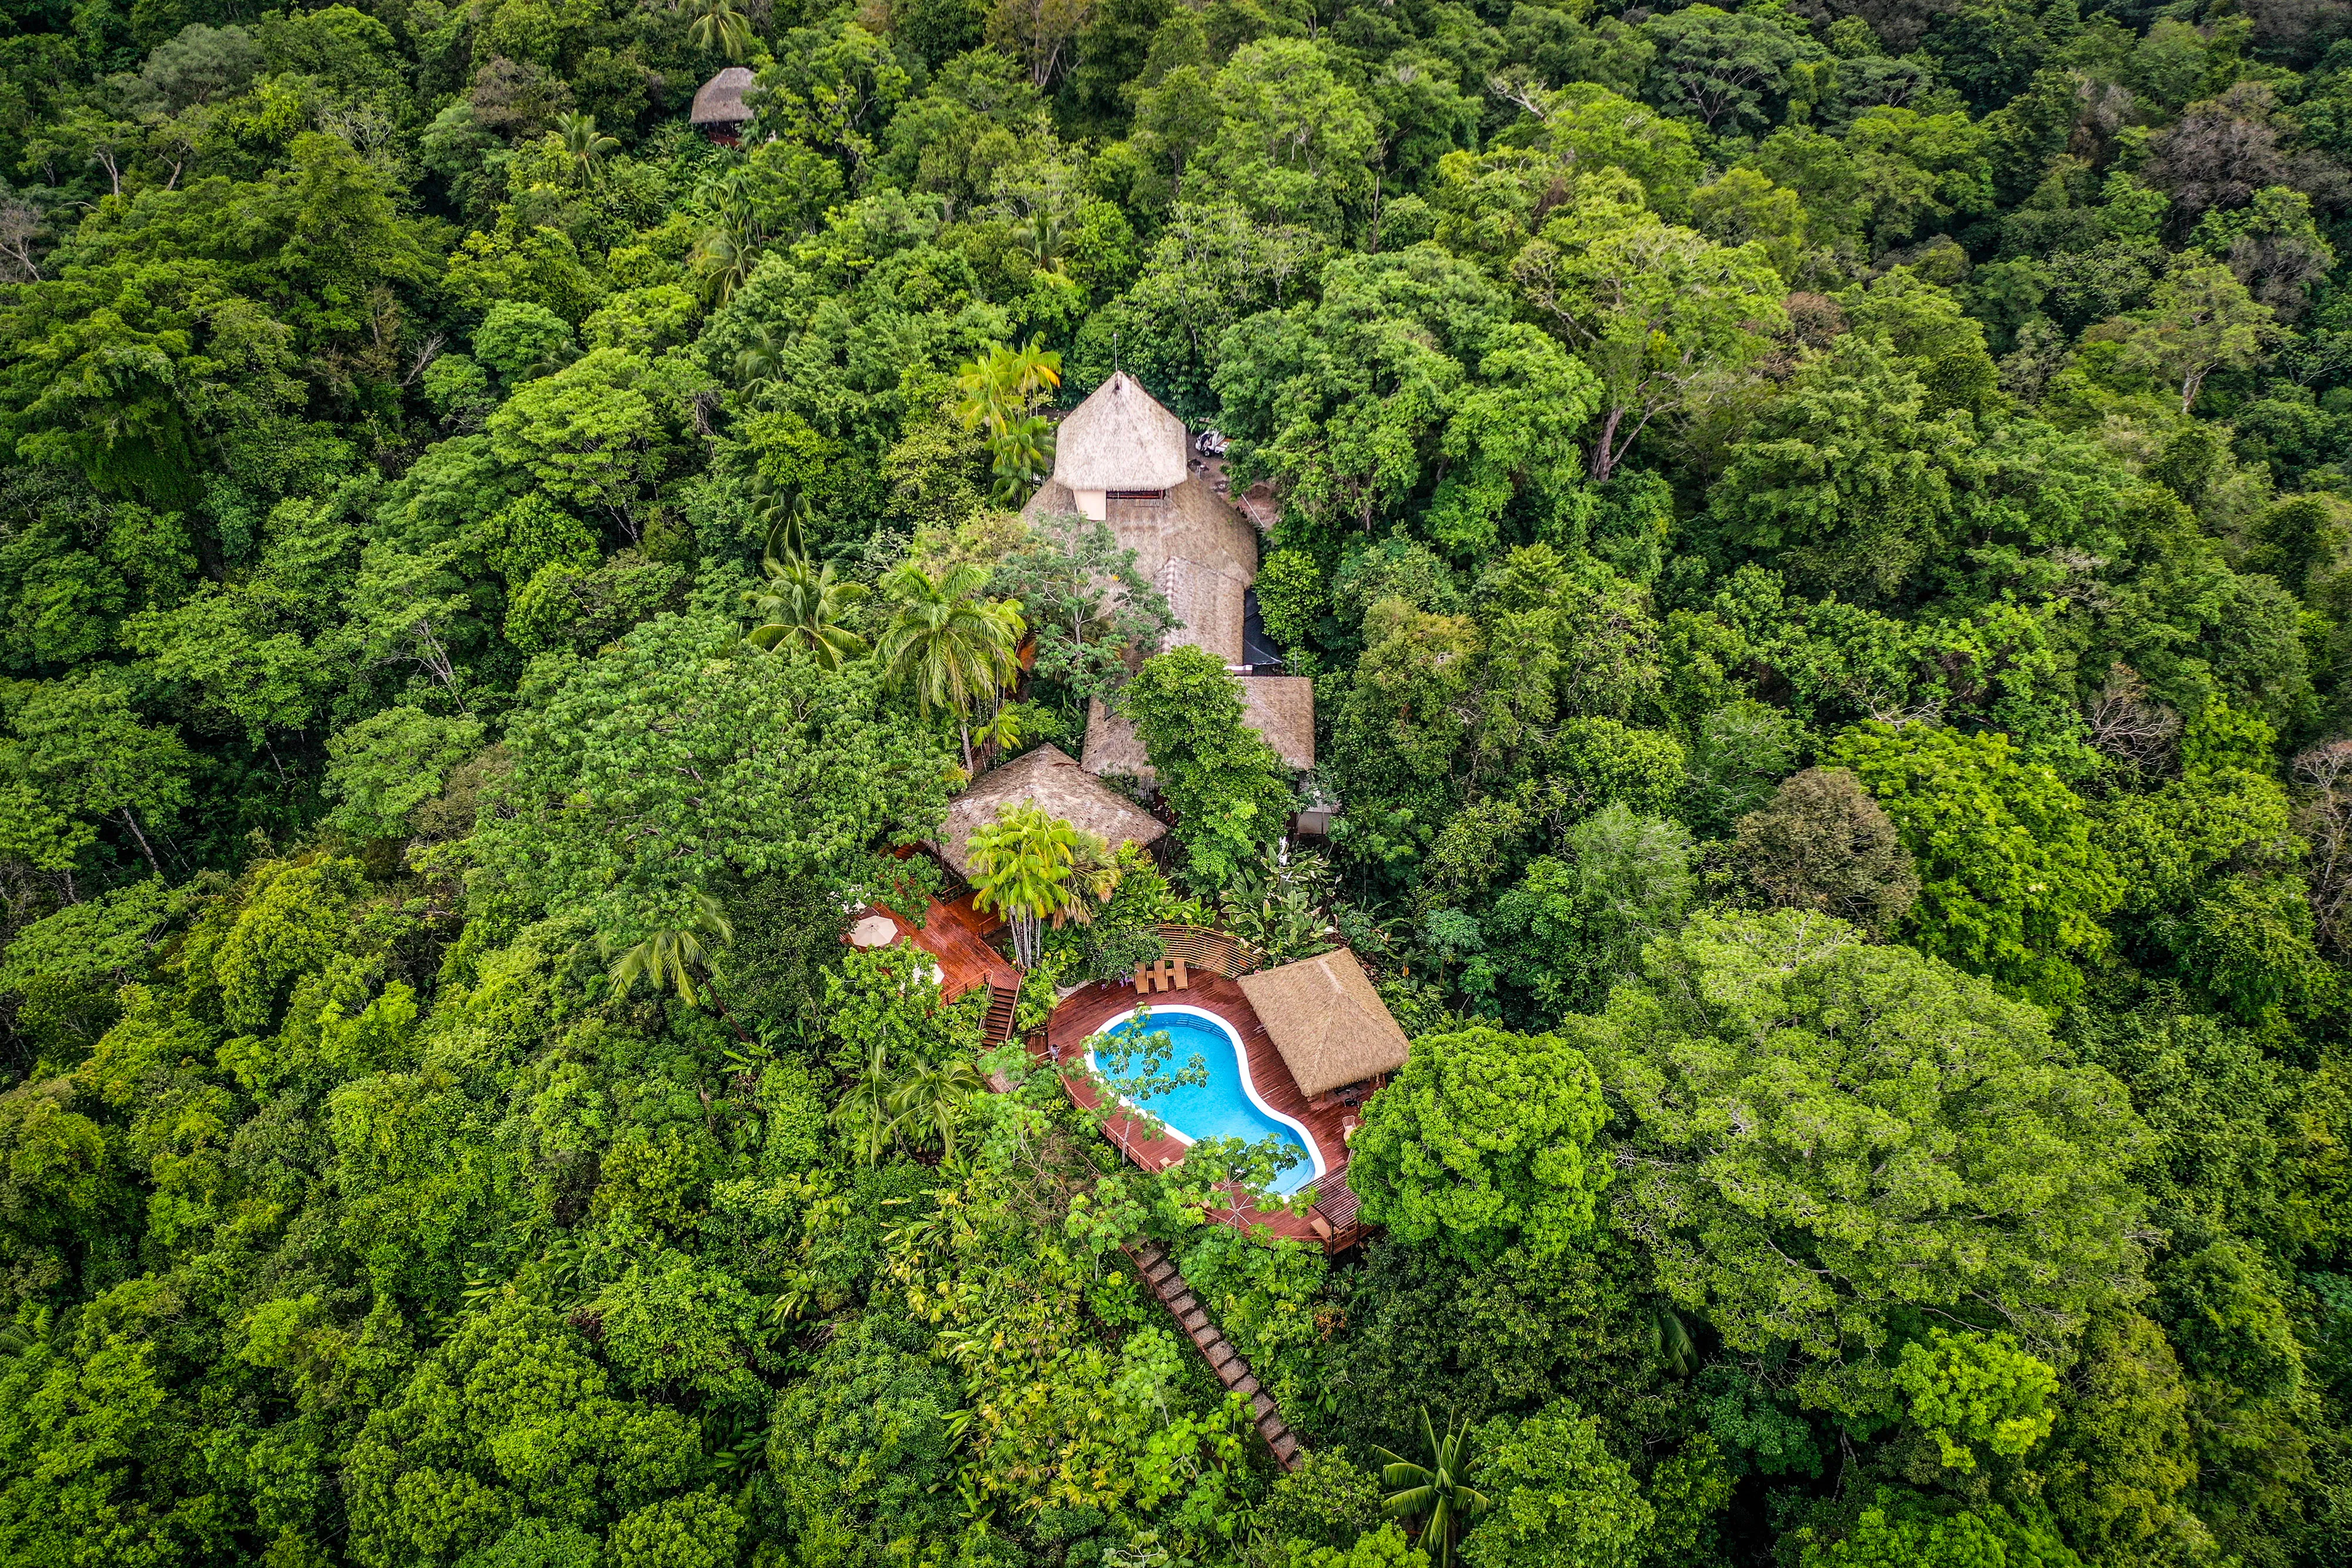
<point x="987" y="386"/>
<point x="1023" y="452"/>
<point x="1002" y="390"/>
<point x="799" y="605"/>
<point x="1438" y="1493"/>
<point x="1027" y="862"/>
<point x="863" y="1113"/>
<point x="1001" y="732"/>
<point x="956" y="649"/>
<point x="1095" y="874"/>
<point x="931" y="1100"/>
<point x="583" y="142"/>
<point x="669" y="956"/>
<point x="719" y="25"/>
<point x="1039" y="234"/>
<point x="761" y="360"/>
<point x="1035" y="371"/>
<point x="730" y="244"/>
<point x="1671" y="1338"/>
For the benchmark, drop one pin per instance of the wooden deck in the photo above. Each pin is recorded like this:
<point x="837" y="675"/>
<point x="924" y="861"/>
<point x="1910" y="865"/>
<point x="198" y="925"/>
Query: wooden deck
<point x="956" y="936"/>
<point x="1084" y="1012"/>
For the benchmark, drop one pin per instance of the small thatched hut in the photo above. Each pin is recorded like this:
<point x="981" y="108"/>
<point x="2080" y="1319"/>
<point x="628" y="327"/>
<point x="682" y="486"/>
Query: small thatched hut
<point x="1279" y="707"/>
<point x="1327" y="1021"/>
<point x="719" y="111"/>
<point x="1063" y="788"/>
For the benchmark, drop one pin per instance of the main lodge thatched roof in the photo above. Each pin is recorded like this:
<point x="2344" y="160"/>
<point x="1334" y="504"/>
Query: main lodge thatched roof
<point x="1279" y="707"/>
<point x="1120" y="438"/>
<point x="1063" y="788"/>
<point x="1327" y="1021"/>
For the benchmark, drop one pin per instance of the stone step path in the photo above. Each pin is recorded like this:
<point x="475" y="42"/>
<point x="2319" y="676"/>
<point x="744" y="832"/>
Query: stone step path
<point x="1160" y="1272"/>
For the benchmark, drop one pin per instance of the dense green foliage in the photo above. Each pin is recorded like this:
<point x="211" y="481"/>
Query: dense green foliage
<point x="1822" y="533"/>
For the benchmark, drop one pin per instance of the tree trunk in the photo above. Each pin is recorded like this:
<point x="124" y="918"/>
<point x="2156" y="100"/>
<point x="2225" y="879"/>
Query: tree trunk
<point x="131" y="823"/>
<point x="1604" y="459"/>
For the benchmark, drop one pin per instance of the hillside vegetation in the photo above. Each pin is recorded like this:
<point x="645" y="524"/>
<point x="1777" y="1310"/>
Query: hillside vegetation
<point x="1822" y="533"/>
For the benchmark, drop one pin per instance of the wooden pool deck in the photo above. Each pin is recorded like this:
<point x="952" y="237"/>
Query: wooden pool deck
<point x="1083" y="1013"/>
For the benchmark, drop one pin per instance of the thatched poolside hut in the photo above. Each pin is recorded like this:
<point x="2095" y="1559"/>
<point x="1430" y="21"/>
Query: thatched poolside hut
<point x="1327" y="1021"/>
<point x="1049" y="776"/>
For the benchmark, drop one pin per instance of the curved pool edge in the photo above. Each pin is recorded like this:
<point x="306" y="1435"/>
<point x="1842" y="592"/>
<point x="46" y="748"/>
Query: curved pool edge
<point x="1249" y="1083"/>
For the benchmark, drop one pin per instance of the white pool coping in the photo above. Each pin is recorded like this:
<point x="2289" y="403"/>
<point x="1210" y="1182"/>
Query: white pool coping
<point x="1240" y="1059"/>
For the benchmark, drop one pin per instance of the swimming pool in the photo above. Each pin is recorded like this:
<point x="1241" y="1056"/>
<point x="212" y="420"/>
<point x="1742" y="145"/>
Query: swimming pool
<point x="1227" y="1105"/>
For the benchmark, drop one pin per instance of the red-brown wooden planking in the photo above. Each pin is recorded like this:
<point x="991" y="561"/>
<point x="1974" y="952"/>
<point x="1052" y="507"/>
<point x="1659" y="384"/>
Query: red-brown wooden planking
<point x="956" y="936"/>
<point x="1083" y="1014"/>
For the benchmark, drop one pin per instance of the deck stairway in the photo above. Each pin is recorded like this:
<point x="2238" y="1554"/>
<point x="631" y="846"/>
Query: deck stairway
<point x="1004" y="1002"/>
<point x="1159" y="1273"/>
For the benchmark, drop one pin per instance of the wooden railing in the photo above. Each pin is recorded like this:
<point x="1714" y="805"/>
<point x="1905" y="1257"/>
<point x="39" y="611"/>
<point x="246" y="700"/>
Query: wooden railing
<point x="1214" y="951"/>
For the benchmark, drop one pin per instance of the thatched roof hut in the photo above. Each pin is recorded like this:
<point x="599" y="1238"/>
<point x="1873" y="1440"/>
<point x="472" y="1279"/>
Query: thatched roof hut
<point x="1048" y="777"/>
<point x="1122" y="458"/>
<point x="1279" y="707"/>
<point x="719" y="103"/>
<point x="1327" y="1021"/>
<point x="1188" y="543"/>
<point x="1120" y="438"/>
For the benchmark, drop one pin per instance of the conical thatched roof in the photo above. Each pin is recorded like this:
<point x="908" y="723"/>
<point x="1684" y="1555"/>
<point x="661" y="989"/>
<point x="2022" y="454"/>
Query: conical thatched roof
<point x="1327" y="1021"/>
<point x="1062" y="788"/>
<point x="719" y="100"/>
<point x="1121" y="439"/>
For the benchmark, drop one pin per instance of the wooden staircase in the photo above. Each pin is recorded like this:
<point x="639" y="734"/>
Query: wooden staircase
<point x="1004" y="1003"/>
<point x="1161" y="1274"/>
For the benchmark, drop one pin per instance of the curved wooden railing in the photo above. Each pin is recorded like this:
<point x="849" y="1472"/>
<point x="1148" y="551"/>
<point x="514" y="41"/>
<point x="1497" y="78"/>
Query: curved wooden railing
<point x="1214" y="951"/>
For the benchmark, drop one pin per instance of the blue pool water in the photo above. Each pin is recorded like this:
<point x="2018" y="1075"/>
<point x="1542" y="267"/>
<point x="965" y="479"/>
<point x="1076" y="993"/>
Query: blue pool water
<point x="1221" y="1108"/>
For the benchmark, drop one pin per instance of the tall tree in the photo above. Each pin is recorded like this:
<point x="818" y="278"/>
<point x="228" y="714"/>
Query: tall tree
<point x="1822" y="1137"/>
<point x="1228" y="786"/>
<point x="1484" y="1142"/>
<point x="678" y="755"/>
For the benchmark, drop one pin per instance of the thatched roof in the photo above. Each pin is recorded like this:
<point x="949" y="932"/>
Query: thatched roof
<point x="719" y="100"/>
<point x="1062" y="788"/>
<point x="1279" y="707"/>
<point x="1211" y="607"/>
<point x="1330" y="1026"/>
<point x="1191" y="546"/>
<point x="1192" y="522"/>
<point x="1121" y="439"/>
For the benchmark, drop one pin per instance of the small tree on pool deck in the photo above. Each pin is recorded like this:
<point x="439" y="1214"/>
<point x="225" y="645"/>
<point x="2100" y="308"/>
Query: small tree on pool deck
<point x="1034" y="867"/>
